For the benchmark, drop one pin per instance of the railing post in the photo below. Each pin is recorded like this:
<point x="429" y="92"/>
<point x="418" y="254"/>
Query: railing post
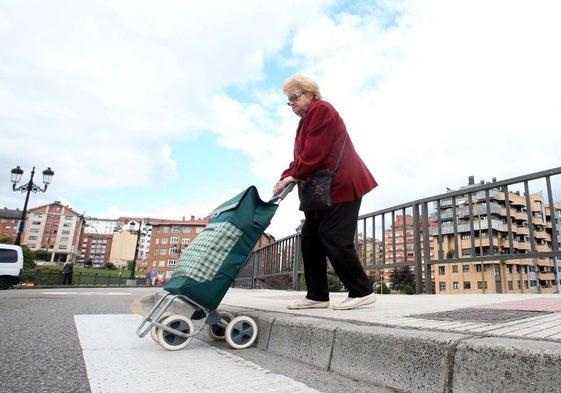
<point x="296" y="264"/>
<point x="255" y="270"/>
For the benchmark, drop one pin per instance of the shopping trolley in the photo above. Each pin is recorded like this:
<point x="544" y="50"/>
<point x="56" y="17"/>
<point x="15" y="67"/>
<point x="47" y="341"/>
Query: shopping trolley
<point x="205" y="271"/>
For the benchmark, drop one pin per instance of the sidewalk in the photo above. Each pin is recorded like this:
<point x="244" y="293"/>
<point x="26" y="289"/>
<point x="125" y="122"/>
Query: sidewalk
<point x="418" y="343"/>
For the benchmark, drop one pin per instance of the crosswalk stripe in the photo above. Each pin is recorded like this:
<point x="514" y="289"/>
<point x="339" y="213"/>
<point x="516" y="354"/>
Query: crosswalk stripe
<point x="117" y="360"/>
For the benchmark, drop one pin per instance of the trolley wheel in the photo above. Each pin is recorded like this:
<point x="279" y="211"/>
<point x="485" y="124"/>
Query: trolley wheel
<point x="217" y="332"/>
<point x="241" y="332"/>
<point x="170" y="341"/>
<point x="154" y="329"/>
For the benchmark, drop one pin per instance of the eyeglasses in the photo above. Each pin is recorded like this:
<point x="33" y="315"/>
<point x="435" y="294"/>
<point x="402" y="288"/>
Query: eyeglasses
<point x="292" y="99"/>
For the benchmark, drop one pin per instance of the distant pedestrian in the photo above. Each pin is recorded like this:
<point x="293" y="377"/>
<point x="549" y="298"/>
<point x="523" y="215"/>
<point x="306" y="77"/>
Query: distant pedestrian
<point x="160" y="279"/>
<point x="67" y="271"/>
<point x="148" y="280"/>
<point x="153" y="277"/>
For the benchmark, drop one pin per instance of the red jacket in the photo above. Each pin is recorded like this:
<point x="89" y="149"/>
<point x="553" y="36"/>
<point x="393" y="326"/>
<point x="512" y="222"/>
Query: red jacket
<point x="318" y="142"/>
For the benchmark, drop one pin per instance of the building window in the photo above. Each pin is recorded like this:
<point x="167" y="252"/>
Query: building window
<point x="172" y="262"/>
<point x="186" y="229"/>
<point x="510" y="286"/>
<point x="465" y="268"/>
<point x="163" y="251"/>
<point x="454" y="268"/>
<point x="442" y="286"/>
<point x="442" y="270"/>
<point x="478" y="267"/>
<point x="456" y="285"/>
<point x="175" y="229"/>
<point x="467" y="285"/>
<point x="480" y="285"/>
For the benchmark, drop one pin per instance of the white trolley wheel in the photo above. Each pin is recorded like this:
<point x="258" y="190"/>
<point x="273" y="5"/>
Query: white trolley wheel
<point x="241" y="332"/>
<point x="170" y="341"/>
<point x="154" y="329"/>
<point x="217" y="332"/>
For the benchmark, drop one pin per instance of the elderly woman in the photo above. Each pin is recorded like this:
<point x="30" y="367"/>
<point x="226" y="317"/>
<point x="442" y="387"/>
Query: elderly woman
<point x="321" y="143"/>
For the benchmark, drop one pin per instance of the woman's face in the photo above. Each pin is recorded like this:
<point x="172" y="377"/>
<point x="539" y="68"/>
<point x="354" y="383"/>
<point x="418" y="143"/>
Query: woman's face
<point x="299" y="100"/>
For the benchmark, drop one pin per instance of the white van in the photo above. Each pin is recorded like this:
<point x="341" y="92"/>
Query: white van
<point x="11" y="265"/>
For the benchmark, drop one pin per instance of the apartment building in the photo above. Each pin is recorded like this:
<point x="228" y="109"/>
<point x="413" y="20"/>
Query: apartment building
<point x="553" y="220"/>
<point x="97" y="239"/>
<point x="9" y="222"/>
<point x="399" y="246"/>
<point x="54" y="228"/>
<point x="508" y="224"/>
<point x="168" y="239"/>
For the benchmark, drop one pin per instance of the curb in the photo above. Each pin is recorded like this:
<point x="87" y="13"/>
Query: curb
<point x="407" y="359"/>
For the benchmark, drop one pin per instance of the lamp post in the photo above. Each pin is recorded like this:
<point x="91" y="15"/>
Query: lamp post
<point x="137" y="246"/>
<point x="28" y="188"/>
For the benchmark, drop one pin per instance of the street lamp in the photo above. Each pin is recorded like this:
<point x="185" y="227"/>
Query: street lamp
<point x="139" y="233"/>
<point x="28" y="188"/>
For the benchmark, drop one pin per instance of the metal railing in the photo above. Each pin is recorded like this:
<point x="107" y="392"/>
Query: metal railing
<point x="498" y="221"/>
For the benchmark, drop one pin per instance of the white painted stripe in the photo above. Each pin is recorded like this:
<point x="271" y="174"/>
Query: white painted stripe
<point x="76" y="293"/>
<point x="117" y="360"/>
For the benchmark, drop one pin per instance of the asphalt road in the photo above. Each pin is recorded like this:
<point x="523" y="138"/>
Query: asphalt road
<point x="41" y="351"/>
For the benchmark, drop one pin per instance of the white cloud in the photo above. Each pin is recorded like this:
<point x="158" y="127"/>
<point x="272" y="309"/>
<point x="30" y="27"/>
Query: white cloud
<point x="431" y="92"/>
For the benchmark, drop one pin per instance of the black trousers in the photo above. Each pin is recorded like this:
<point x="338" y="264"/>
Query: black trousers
<point x="66" y="278"/>
<point x="330" y="234"/>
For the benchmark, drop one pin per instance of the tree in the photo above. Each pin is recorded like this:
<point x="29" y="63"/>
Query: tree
<point x="6" y="240"/>
<point x="401" y="277"/>
<point x="28" y="258"/>
<point x="42" y="255"/>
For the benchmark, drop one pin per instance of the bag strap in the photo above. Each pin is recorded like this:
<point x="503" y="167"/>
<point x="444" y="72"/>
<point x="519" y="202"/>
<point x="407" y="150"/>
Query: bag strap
<point x="340" y="154"/>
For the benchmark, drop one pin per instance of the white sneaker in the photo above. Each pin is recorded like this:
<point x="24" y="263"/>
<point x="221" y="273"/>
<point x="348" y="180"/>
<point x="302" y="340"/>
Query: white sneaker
<point x="354" y="302"/>
<point x="307" y="303"/>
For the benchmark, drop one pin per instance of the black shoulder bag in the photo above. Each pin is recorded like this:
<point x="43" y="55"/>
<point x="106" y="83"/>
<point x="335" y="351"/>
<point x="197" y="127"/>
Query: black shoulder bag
<point x="315" y="194"/>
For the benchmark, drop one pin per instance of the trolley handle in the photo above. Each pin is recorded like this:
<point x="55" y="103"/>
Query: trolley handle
<point x="283" y="194"/>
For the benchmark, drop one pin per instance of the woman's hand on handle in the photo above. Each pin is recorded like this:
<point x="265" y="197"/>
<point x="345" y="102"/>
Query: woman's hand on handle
<point x="282" y="184"/>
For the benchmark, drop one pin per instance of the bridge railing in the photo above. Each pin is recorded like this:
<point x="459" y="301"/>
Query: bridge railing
<point x="516" y="218"/>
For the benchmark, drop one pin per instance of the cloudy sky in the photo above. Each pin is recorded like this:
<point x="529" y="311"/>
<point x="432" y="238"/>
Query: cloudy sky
<point x="168" y="108"/>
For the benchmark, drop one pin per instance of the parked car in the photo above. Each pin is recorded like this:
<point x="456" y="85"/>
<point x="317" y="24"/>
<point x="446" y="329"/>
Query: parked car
<point x="11" y="265"/>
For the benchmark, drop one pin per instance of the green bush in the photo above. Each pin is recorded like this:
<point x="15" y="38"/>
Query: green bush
<point x="333" y="283"/>
<point x="408" y="290"/>
<point x="382" y="289"/>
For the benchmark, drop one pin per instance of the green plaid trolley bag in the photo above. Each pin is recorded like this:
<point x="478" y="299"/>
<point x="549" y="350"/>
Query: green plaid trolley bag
<point x="205" y="271"/>
<point x="209" y="265"/>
